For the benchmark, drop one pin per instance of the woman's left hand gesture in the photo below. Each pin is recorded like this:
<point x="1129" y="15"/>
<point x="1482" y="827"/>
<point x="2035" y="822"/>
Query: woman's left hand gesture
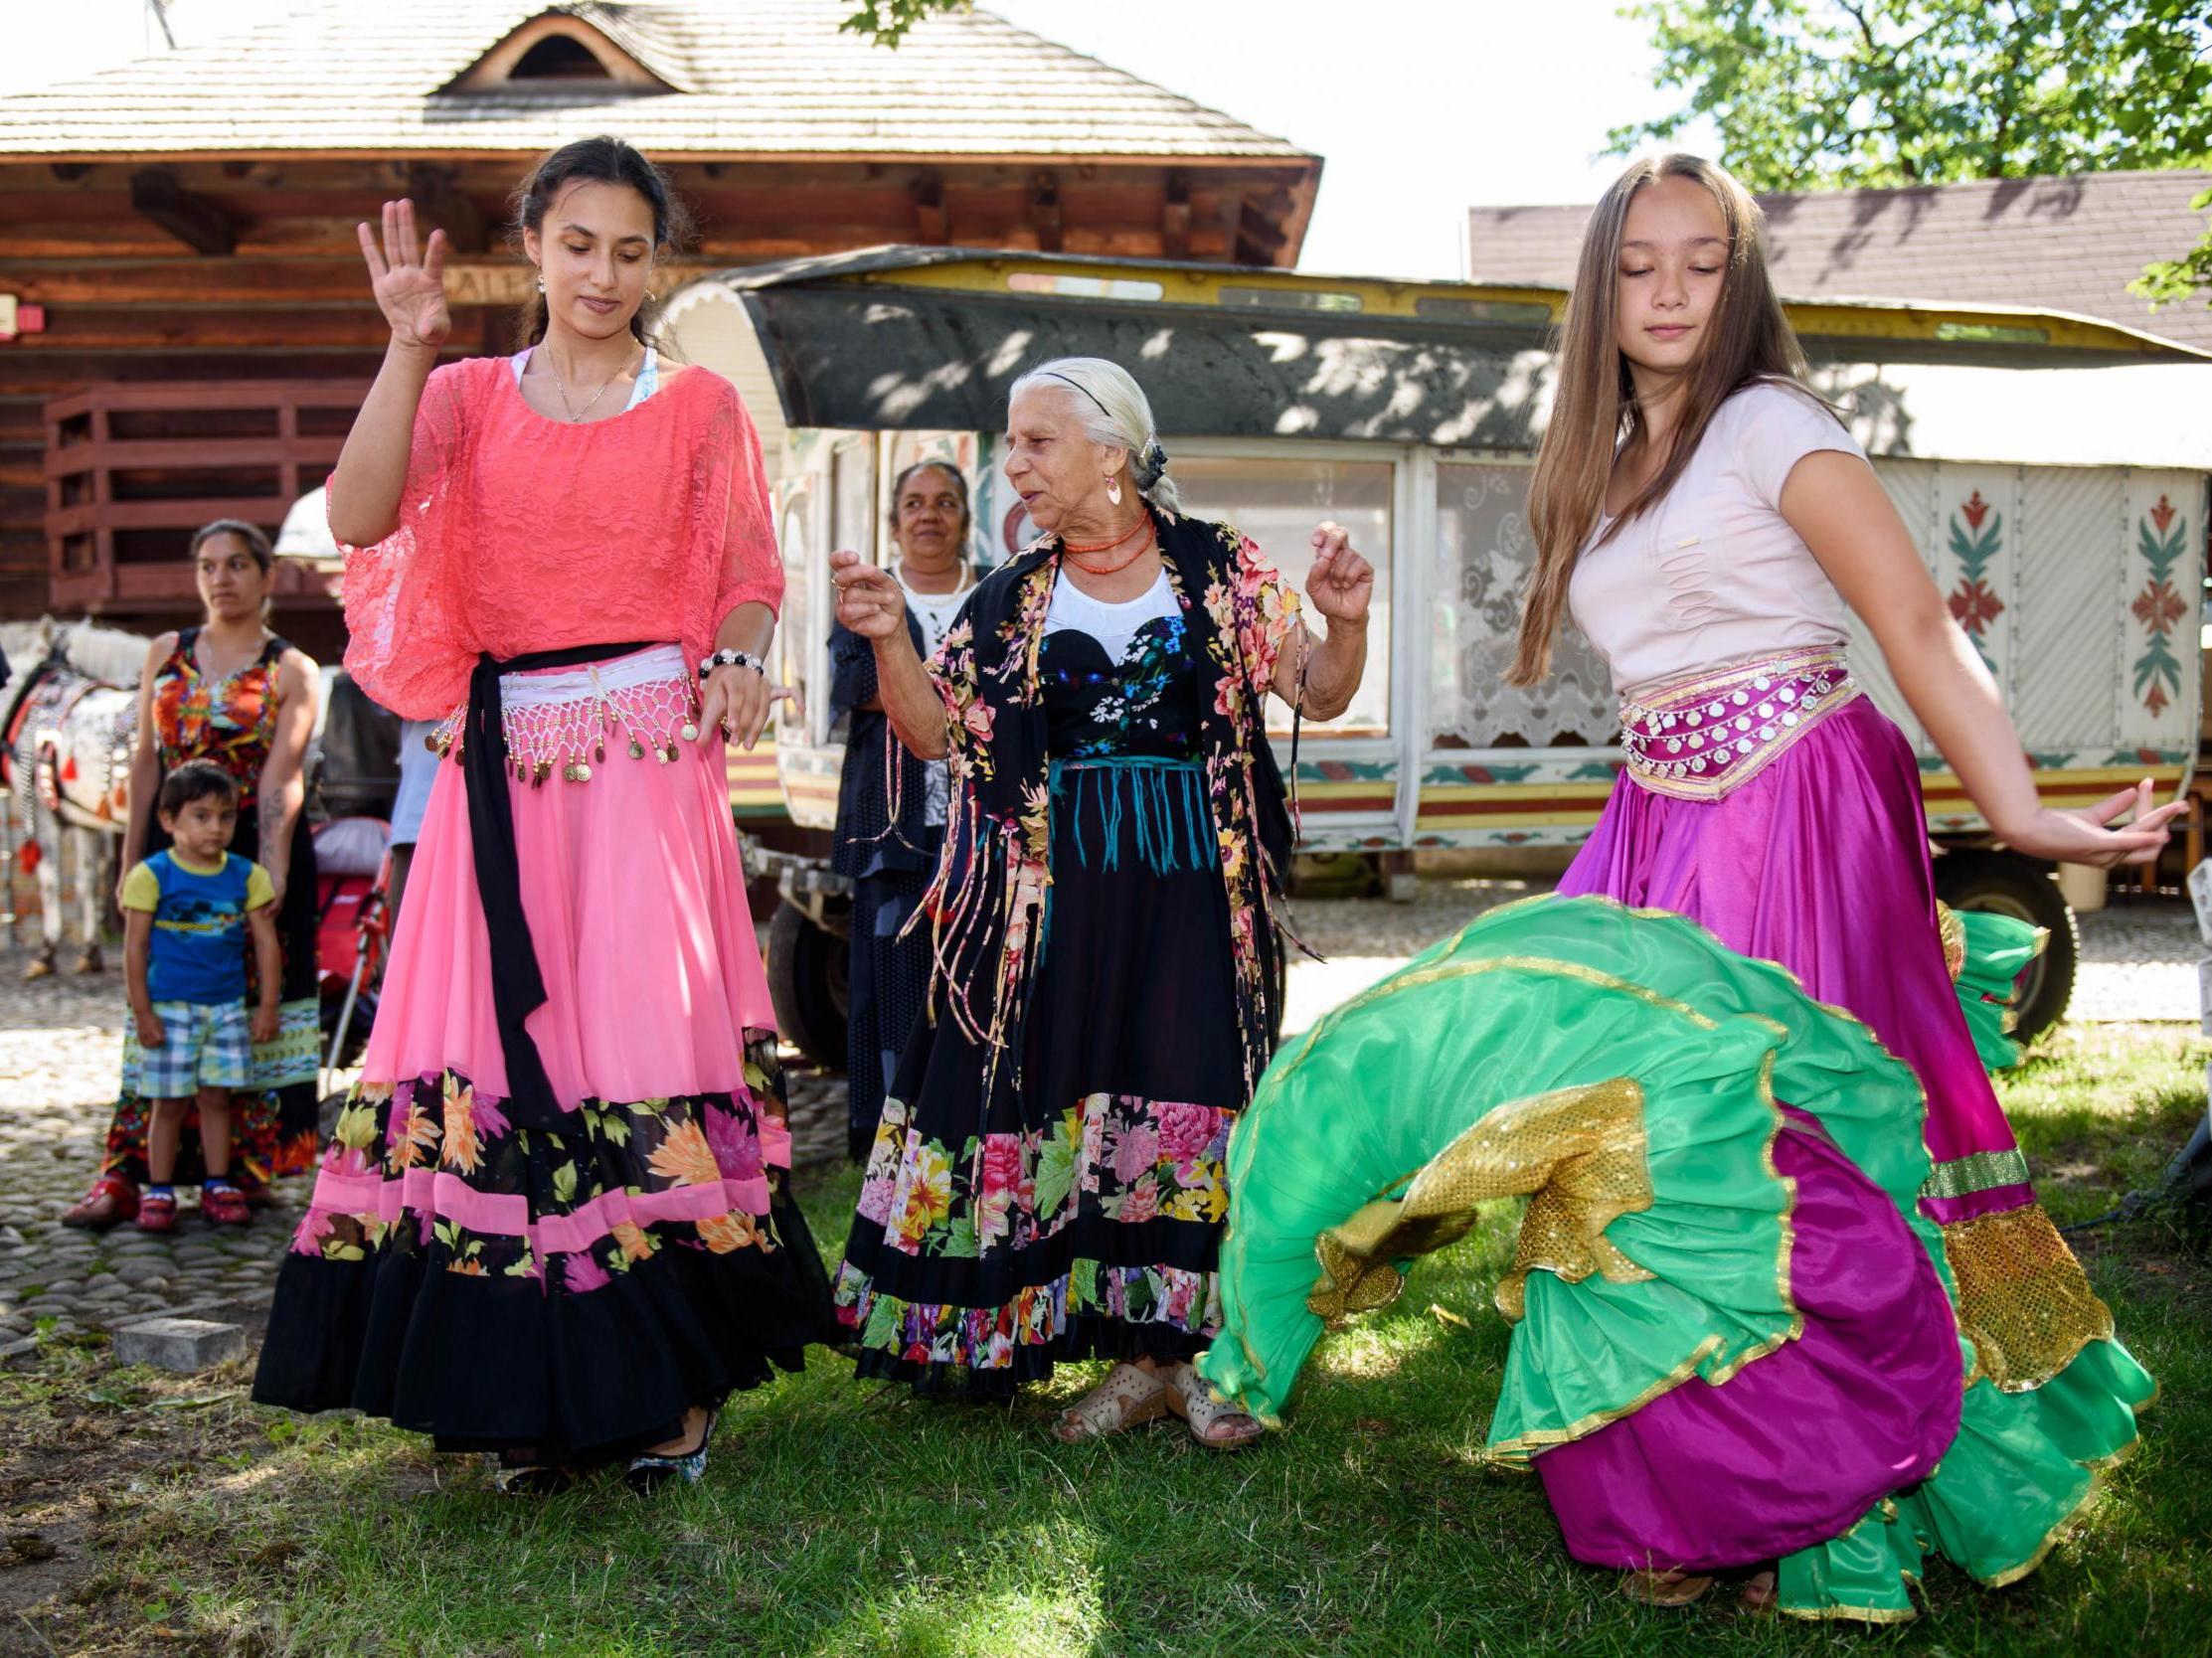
<point x="738" y="702"/>
<point x="1341" y="583"/>
<point x="2085" y="837"/>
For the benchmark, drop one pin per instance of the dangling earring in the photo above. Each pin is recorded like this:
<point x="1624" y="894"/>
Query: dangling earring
<point x="1114" y="490"/>
<point x="541" y="281"/>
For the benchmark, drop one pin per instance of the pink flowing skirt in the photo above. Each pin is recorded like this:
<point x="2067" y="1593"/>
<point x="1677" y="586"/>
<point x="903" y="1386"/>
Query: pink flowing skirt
<point x="635" y="893"/>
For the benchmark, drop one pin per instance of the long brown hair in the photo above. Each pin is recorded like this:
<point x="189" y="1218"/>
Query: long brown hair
<point x="1595" y="409"/>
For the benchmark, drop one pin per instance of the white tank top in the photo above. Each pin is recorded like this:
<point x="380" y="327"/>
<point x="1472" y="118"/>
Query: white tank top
<point x="1112" y="625"/>
<point x="646" y="384"/>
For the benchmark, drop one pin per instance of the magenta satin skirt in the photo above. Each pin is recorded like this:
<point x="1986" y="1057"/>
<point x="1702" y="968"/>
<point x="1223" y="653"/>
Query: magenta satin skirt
<point x="1818" y="863"/>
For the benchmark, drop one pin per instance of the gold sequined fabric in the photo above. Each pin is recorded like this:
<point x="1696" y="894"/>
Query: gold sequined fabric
<point x="2023" y="1299"/>
<point x="1578" y="1151"/>
<point x="1954" y="939"/>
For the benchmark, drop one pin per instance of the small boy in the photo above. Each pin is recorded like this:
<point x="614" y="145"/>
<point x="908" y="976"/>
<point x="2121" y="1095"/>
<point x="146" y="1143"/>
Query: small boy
<point x="185" y="915"/>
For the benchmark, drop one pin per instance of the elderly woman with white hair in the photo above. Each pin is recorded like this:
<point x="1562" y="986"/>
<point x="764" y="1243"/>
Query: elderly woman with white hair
<point x="1047" y="1176"/>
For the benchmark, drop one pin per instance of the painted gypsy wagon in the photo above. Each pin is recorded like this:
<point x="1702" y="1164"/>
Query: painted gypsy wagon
<point x="2053" y="469"/>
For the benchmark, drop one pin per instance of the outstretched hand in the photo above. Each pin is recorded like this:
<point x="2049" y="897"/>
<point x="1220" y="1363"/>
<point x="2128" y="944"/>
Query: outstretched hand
<point x="408" y="278"/>
<point x="2083" y="837"/>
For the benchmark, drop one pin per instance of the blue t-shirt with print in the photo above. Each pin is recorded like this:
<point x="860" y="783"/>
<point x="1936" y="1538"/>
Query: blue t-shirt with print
<point x="197" y="951"/>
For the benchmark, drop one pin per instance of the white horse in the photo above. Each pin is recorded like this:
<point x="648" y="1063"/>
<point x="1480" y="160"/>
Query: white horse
<point x="70" y="728"/>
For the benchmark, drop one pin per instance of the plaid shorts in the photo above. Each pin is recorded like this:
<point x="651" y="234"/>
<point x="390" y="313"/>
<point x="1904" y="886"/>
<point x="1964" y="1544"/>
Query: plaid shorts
<point x="205" y="1045"/>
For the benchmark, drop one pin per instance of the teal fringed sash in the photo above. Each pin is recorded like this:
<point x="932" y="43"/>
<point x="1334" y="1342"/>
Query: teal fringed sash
<point x="1162" y="803"/>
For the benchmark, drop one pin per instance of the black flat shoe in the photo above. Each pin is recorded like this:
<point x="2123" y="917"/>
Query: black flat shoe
<point x="648" y="1474"/>
<point x="532" y="1480"/>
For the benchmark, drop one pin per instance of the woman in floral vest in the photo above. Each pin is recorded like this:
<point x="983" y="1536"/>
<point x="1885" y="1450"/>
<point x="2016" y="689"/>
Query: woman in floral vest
<point x="1046" y="1181"/>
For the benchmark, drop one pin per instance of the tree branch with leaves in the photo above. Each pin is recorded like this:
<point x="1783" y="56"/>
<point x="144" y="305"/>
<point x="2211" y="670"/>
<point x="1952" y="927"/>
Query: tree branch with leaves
<point x="886" y="22"/>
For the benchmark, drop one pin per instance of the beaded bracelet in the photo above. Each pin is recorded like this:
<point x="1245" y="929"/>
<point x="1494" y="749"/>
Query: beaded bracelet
<point x="732" y="659"/>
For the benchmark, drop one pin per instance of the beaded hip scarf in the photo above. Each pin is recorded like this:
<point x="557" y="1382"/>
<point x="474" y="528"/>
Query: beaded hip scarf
<point x="1705" y="734"/>
<point x="565" y="722"/>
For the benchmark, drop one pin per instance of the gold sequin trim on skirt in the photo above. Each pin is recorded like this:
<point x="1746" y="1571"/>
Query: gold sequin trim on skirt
<point x="1578" y="1151"/>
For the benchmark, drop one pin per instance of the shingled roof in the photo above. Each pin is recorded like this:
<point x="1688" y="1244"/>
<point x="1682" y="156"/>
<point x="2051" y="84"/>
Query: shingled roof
<point x="2046" y="243"/>
<point x="753" y="78"/>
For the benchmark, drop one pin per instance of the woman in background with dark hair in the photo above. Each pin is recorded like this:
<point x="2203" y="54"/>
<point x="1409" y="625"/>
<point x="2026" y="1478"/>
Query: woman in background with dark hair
<point x="890" y="824"/>
<point x="232" y="691"/>
<point x="552" y="1223"/>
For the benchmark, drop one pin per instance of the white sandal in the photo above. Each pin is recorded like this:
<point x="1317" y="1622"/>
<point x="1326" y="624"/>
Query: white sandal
<point x="1126" y="1397"/>
<point x="1189" y="1397"/>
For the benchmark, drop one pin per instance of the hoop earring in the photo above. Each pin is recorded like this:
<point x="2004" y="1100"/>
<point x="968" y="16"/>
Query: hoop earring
<point x="1114" y="490"/>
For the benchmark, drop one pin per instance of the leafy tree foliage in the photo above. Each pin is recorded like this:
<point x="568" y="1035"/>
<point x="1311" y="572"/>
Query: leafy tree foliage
<point x="1813" y="93"/>
<point x="886" y="22"/>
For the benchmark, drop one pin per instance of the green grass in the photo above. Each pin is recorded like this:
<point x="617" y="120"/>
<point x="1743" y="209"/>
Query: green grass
<point x="842" y="1520"/>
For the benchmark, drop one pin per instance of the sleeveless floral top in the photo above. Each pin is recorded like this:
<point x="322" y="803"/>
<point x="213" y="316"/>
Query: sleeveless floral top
<point x="231" y="720"/>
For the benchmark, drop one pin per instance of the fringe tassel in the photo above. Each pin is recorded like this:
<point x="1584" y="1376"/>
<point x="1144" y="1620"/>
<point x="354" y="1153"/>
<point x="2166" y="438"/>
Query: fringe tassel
<point x="1161" y="804"/>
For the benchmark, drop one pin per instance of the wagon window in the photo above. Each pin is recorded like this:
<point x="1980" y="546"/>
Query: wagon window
<point x="1276" y="502"/>
<point x="1289" y="299"/>
<point x="852" y="492"/>
<point x="1083" y="287"/>
<point x="1517" y="312"/>
<point x="794" y="632"/>
<point x="1483" y="556"/>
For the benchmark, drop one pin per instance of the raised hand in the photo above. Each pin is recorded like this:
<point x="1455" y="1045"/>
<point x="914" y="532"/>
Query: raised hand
<point x="408" y="278"/>
<point x="1341" y="583"/>
<point x="869" y="599"/>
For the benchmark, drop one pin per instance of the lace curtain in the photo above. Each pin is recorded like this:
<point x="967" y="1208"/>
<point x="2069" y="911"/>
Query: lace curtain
<point x="1483" y="556"/>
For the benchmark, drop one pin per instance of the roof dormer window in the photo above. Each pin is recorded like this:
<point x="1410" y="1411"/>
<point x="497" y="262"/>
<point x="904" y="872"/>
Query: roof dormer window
<point x="559" y="58"/>
<point x="572" y="47"/>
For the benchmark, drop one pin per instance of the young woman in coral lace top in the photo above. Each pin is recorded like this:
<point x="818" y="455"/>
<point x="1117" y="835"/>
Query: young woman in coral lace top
<point x="552" y="1223"/>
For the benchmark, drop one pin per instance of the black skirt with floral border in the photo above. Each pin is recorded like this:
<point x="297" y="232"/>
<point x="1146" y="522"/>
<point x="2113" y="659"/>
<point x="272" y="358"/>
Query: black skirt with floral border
<point x="1082" y="1215"/>
<point x="560" y="1296"/>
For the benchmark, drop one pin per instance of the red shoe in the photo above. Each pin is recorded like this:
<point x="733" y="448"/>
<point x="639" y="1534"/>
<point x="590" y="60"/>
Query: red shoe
<point x="112" y="1199"/>
<point x="224" y="1206"/>
<point x="157" y="1213"/>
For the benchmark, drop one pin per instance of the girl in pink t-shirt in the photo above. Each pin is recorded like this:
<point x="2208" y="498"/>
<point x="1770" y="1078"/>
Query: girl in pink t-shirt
<point x="1791" y="1312"/>
<point x="1714" y="530"/>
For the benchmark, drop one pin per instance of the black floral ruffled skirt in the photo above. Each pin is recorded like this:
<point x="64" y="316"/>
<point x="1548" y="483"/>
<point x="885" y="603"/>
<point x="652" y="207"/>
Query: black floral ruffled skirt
<point x="1084" y="1219"/>
<point x="568" y="1294"/>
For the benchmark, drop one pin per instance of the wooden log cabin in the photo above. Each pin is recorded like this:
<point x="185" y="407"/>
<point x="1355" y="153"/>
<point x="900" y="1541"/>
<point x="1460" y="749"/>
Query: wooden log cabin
<point x="185" y="325"/>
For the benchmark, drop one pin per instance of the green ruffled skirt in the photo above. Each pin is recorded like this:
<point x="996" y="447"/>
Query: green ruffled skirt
<point x="1650" y="1091"/>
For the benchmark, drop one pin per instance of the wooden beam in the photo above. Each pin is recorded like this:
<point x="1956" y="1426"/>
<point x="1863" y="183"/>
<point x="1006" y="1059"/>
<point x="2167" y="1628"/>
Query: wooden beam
<point x="1043" y="211"/>
<point x="69" y="373"/>
<point x="1175" y="216"/>
<point x="192" y="220"/>
<point x="265" y="329"/>
<point x="1258" y="240"/>
<point x="930" y="222"/>
<point x="188" y="283"/>
<point x="162" y="515"/>
<point x="188" y="453"/>
<point x="439" y="204"/>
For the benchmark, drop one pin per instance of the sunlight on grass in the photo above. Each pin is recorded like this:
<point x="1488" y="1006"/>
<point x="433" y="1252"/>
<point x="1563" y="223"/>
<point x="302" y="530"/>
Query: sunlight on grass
<point x="1035" y="1591"/>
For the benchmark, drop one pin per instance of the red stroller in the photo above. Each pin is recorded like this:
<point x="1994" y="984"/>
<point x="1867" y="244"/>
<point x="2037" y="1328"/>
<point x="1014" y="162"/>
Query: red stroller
<point x="353" y="874"/>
